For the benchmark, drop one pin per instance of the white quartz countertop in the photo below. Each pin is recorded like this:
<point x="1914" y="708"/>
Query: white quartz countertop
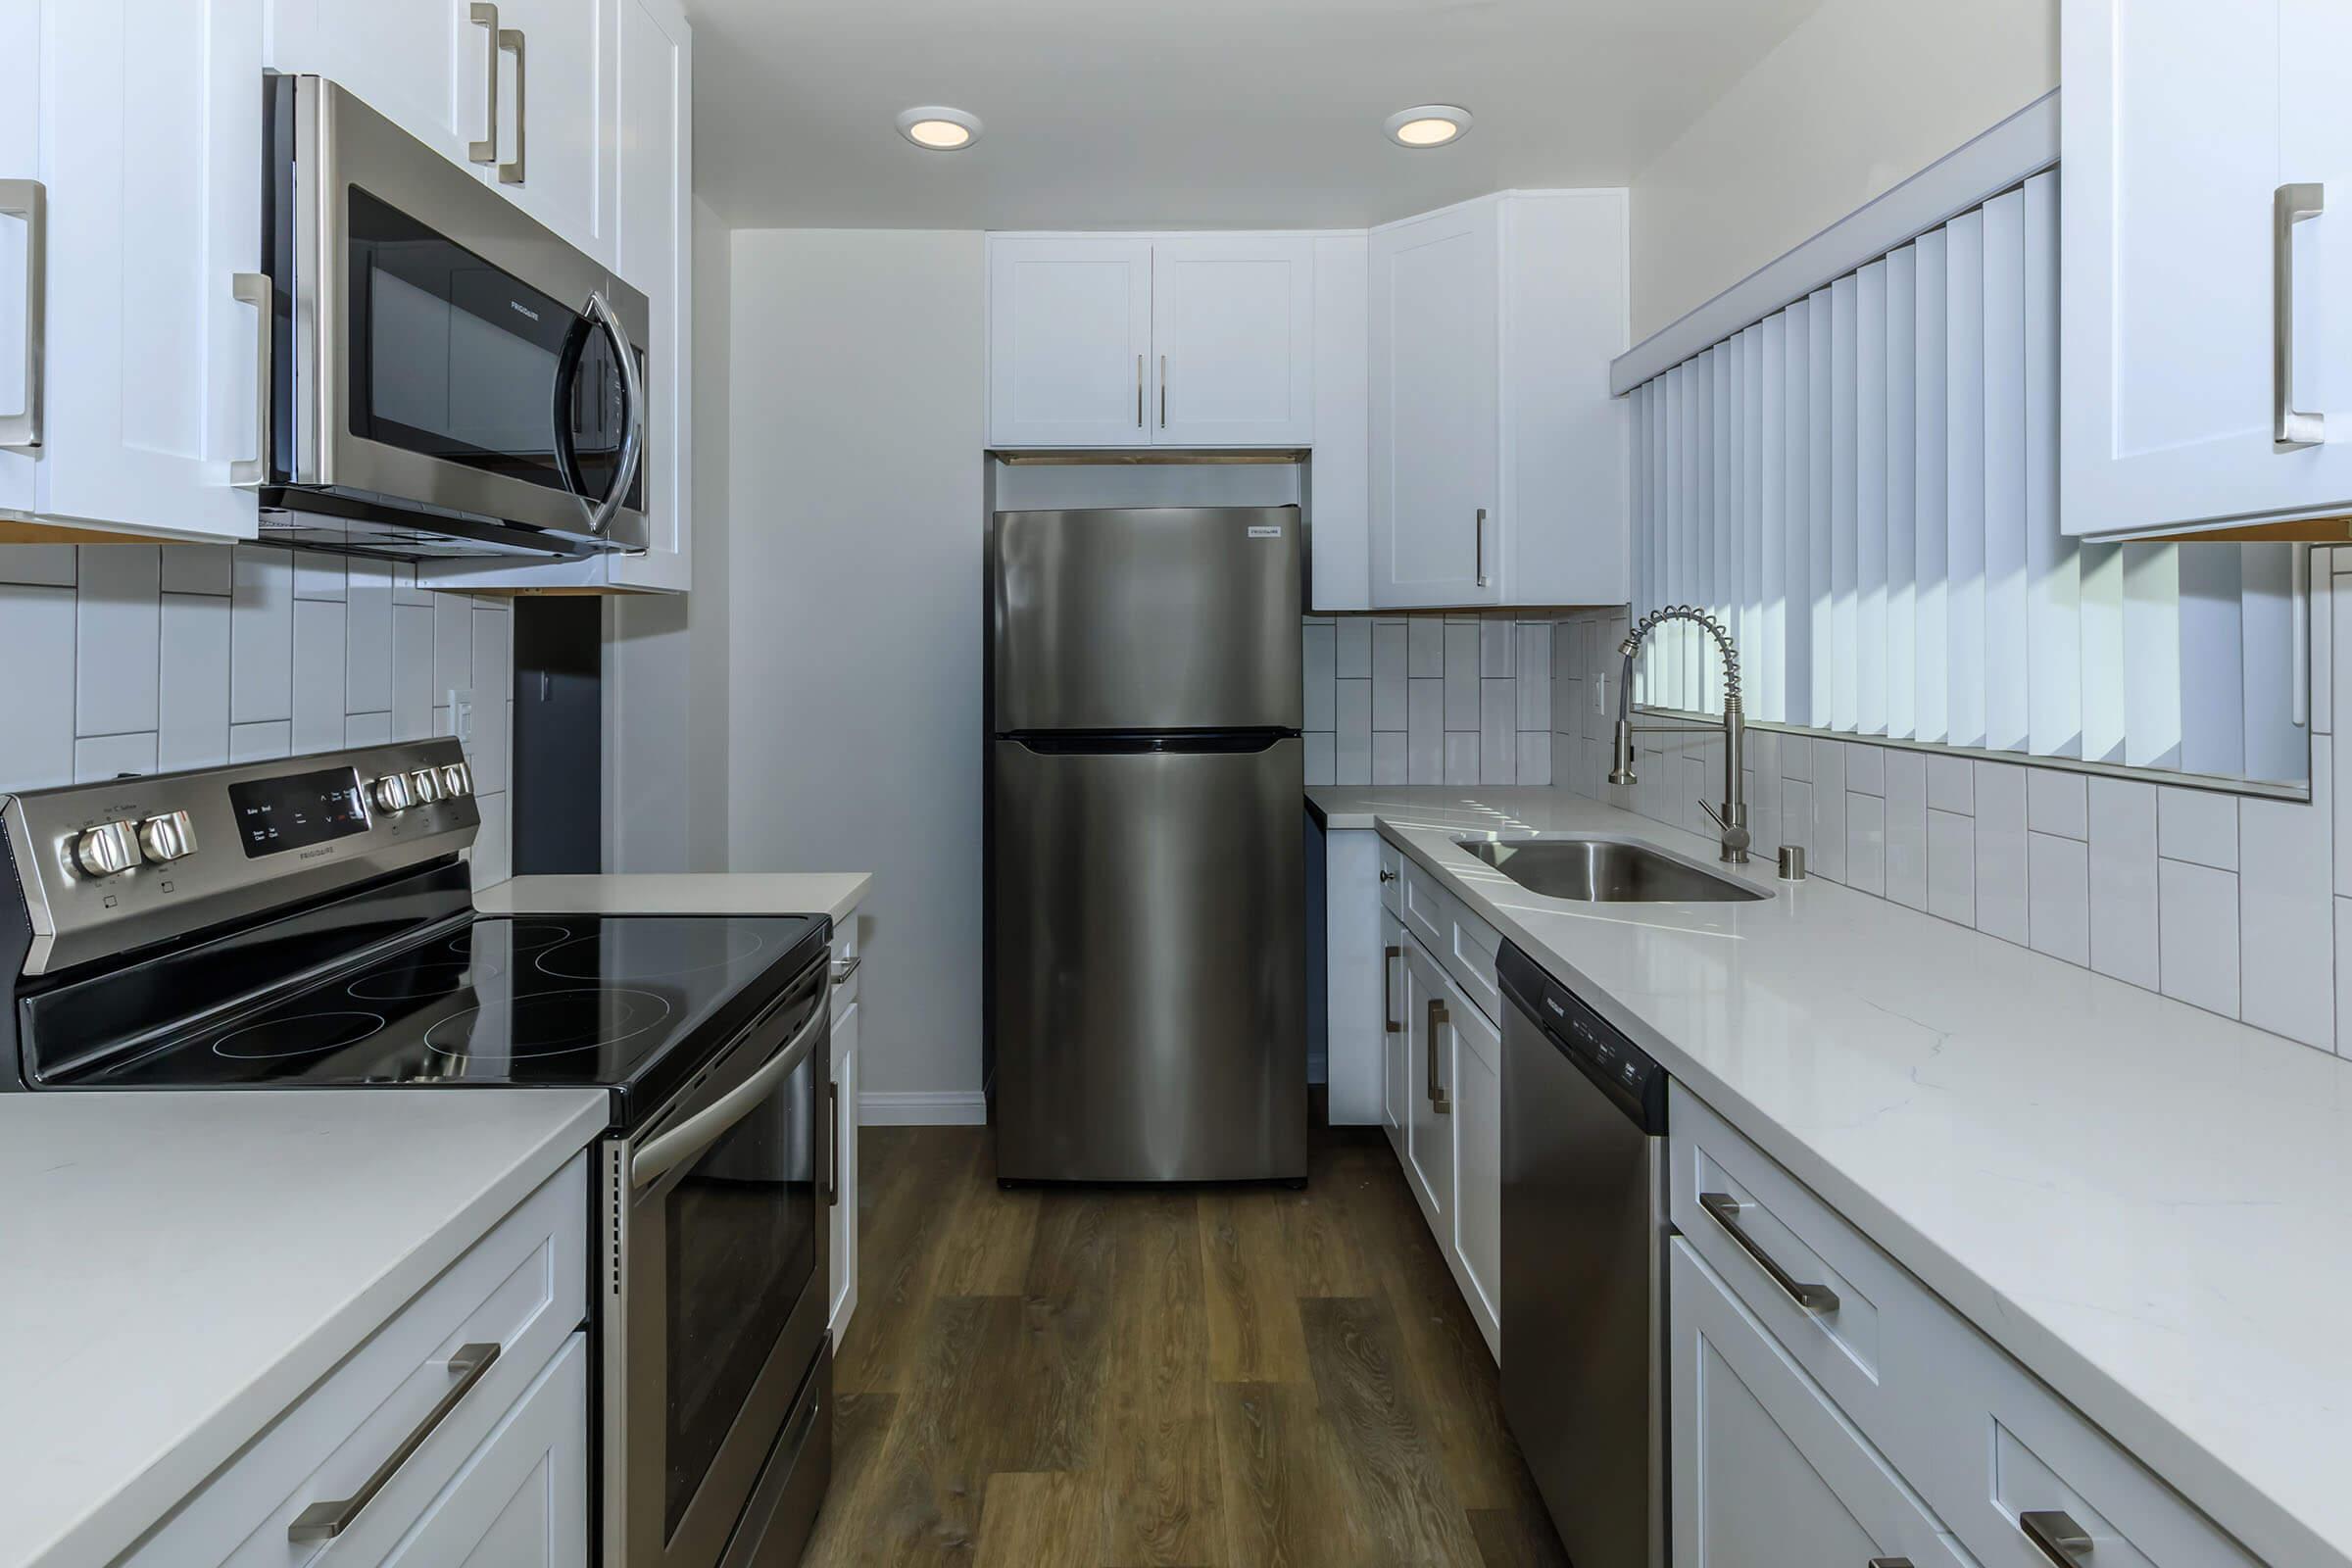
<point x="176" y="1269"/>
<point x="833" y="892"/>
<point x="2148" y="1205"/>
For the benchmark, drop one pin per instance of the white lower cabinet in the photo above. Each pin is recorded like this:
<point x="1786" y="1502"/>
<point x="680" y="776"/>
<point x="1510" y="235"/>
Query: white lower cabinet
<point x="1395" y="1039"/>
<point x="501" y="1329"/>
<point x="1352" y="990"/>
<point x="1767" y="1473"/>
<point x="1429" y="1086"/>
<point x="1477" y="1250"/>
<point x="842" y="1190"/>
<point x="521" y="1500"/>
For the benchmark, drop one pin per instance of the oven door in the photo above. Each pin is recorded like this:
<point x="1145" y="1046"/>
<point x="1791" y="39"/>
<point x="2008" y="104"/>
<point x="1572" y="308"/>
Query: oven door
<point x="716" y="1273"/>
<point x="446" y="352"/>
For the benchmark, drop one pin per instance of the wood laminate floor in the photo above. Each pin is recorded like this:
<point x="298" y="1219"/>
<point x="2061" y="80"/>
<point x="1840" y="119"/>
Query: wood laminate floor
<point x="1195" y="1377"/>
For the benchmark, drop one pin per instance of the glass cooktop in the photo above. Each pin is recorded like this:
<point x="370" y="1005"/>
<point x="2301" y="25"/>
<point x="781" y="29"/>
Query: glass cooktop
<point x="539" y="999"/>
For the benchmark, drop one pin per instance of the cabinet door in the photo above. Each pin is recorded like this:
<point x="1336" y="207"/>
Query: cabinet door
<point x="521" y="1500"/>
<point x="151" y="117"/>
<point x="2181" y="122"/>
<point x="1478" y="1168"/>
<point x="844" y="1258"/>
<point x="1396" y="1051"/>
<point x="20" y="159"/>
<point x="1430" y="1014"/>
<point x="653" y="251"/>
<point x="1766" y="1472"/>
<point x="555" y="126"/>
<point x="1358" y="977"/>
<point x="1436" y="436"/>
<point x="1069" y="334"/>
<point x="425" y="65"/>
<point x="1233" y="336"/>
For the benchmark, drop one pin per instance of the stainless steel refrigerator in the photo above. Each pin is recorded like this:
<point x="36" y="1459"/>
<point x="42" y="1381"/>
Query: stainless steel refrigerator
<point x="1147" y="845"/>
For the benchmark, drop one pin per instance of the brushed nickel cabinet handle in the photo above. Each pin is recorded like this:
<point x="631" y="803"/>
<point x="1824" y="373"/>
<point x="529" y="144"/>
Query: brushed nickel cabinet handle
<point x="510" y="41"/>
<point x="1439" y="1100"/>
<point x="1388" y="956"/>
<point x="485" y="151"/>
<point x="1163" y="391"/>
<point x="2065" y="1543"/>
<point x="1478" y="534"/>
<point x="1890" y="1562"/>
<point x="29" y="199"/>
<point x="2292" y="429"/>
<point x="843" y="969"/>
<point x="323" y="1520"/>
<point x="1725" y="1211"/>
<point x="1139" y="391"/>
<point x="253" y="288"/>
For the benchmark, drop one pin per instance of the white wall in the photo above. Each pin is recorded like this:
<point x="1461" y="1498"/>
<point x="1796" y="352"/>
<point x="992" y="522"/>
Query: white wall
<point x="1863" y="95"/>
<point x="855" y="534"/>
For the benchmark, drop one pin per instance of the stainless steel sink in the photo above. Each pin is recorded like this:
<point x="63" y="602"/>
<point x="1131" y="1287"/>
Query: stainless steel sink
<point x="1599" y="870"/>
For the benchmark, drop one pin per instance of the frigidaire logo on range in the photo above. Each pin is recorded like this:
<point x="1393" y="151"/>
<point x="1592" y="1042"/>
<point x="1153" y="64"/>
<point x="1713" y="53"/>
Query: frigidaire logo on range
<point x="319" y="853"/>
<point x="524" y="309"/>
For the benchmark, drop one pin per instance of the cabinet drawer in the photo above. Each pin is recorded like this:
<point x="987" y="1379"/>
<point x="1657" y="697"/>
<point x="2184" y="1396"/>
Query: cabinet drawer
<point x="847" y="962"/>
<point x="522" y="1288"/>
<point x="1984" y="1441"/>
<point x="1767" y="1472"/>
<point x="1463" y="943"/>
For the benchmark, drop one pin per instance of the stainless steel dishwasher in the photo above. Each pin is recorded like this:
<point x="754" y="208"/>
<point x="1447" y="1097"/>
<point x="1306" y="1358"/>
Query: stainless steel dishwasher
<point x="1584" y="1250"/>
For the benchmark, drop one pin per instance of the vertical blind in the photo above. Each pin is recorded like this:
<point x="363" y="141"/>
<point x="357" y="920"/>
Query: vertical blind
<point x="1863" y="487"/>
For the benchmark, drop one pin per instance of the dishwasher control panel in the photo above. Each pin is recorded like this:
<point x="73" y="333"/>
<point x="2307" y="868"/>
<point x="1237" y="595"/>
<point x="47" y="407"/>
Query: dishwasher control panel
<point x="1630" y="1075"/>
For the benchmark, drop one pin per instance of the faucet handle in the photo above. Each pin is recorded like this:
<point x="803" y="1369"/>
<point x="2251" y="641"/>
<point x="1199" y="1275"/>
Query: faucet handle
<point x="1716" y="815"/>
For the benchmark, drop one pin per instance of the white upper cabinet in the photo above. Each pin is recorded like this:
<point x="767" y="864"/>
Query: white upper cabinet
<point x="510" y="90"/>
<point x="145" y="131"/>
<point x="1497" y="455"/>
<point x="1437" y="452"/>
<point x="20" y="166"/>
<point x="1069" y="341"/>
<point x="2206" y="263"/>
<point x="1233" y="336"/>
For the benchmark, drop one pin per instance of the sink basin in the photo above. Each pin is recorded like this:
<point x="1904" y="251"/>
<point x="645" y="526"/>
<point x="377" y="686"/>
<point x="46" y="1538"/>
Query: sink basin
<point x="1607" y="872"/>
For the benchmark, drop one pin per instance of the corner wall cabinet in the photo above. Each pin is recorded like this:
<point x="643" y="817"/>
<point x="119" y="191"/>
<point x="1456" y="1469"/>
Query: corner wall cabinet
<point x="1498" y="454"/>
<point x="2206" y="263"/>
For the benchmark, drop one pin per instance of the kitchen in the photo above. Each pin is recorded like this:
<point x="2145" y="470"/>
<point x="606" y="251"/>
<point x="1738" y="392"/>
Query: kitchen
<point x="1231" y="784"/>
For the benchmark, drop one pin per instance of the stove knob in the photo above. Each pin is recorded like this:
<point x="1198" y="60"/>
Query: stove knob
<point x="457" y="781"/>
<point x="108" y="849"/>
<point x="167" y="838"/>
<point x="425" y="785"/>
<point x="391" y="793"/>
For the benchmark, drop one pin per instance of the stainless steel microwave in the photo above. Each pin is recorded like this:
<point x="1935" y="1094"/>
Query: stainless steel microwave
<point x="442" y="375"/>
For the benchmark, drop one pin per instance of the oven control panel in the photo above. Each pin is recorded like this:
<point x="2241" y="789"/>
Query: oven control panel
<point x="106" y="867"/>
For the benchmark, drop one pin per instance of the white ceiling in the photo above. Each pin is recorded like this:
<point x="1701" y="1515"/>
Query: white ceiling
<point x="1191" y="113"/>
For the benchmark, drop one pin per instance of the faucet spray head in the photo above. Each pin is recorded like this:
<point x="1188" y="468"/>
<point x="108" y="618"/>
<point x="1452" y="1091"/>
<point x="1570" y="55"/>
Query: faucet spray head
<point x="1620" y="770"/>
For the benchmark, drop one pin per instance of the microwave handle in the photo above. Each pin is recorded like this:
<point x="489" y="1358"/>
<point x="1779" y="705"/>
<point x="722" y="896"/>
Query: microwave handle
<point x="632" y="445"/>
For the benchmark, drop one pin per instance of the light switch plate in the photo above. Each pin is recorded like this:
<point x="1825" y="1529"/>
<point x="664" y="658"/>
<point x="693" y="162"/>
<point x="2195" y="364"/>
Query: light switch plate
<point x="461" y="714"/>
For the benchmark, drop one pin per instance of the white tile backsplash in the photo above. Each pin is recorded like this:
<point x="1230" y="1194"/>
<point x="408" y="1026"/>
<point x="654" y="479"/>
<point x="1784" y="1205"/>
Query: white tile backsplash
<point x="1431" y="698"/>
<point x="2235" y="903"/>
<point x="194" y="655"/>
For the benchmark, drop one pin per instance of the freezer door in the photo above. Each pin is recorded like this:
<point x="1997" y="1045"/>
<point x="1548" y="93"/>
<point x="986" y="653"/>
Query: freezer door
<point x="1166" y="619"/>
<point x="1151" y="964"/>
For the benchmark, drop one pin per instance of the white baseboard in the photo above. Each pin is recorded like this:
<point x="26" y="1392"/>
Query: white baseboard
<point x="922" y="1107"/>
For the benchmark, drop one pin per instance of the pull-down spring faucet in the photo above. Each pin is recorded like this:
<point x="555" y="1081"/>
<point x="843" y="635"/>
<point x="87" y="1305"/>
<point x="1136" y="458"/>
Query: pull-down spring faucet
<point x="1731" y="817"/>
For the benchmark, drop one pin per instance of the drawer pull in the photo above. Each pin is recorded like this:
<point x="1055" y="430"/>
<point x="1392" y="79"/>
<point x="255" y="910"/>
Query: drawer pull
<point x="843" y="969"/>
<point x="1386" y="875"/>
<point x="1439" y="1100"/>
<point x="2065" y="1543"/>
<point x="323" y="1520"/>
<point x="1725" y="1210"/>
<point x="1387" y="1003"/>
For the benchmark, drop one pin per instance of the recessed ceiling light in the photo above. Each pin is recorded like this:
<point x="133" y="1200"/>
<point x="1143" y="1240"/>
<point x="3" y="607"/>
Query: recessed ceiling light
<point x="1427" y="126"/>
<point x="936" y="129"/>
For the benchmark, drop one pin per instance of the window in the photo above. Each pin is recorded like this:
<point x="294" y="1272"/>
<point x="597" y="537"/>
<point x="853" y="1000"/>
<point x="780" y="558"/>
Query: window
<point x="1863" y="488"/>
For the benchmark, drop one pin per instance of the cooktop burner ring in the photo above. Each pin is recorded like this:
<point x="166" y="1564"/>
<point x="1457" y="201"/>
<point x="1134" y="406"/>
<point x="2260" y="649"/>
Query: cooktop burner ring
<point x="523" y="936"/>
<point x="324" y="1031"/>
<point x="738" y="947"/>
<point x="652" y="1012"/>
<point x="419" y="982"/>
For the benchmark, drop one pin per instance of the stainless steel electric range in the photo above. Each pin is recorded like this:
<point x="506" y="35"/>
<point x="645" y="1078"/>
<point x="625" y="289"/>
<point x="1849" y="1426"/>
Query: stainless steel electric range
<point x="307" y="923"/>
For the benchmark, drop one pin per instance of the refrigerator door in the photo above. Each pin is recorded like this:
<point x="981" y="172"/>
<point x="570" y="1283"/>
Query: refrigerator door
<point x="1150" y="963"/>
<point x="1166" y="619"/>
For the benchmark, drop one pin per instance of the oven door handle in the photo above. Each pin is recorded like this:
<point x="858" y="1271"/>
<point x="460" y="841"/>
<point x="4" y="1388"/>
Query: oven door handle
<point x="706" y="1126"/>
